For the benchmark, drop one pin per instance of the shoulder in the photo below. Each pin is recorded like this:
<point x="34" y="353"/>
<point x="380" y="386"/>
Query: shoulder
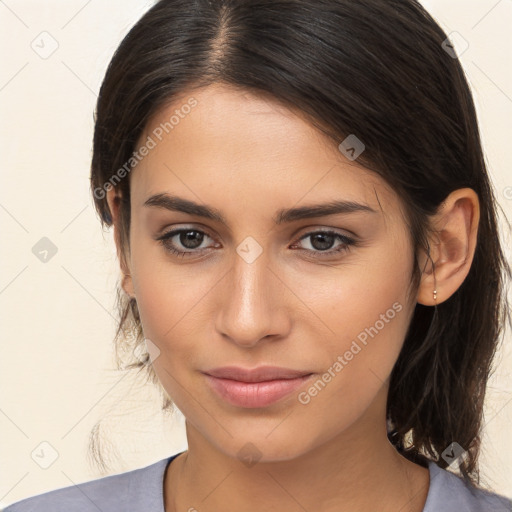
<point x="139" y="489"/>
<point x="450" y="492"/>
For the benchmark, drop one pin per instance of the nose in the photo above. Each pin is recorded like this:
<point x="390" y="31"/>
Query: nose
<point x="252" y="306"/>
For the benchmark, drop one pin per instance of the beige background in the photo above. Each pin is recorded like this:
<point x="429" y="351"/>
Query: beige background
<point x="57" y="317"/>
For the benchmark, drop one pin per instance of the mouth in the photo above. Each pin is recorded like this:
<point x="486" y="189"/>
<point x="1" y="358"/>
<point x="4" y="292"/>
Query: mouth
<point x="255" y="388"/>
<point x="259" y="374"/>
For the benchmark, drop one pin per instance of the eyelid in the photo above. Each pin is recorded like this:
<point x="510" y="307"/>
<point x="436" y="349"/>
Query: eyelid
<point x="179" y="227"/>
<point x="314" y="228"/>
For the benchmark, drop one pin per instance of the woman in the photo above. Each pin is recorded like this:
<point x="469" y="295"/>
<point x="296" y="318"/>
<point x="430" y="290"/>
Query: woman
<point x="309" y="250"/>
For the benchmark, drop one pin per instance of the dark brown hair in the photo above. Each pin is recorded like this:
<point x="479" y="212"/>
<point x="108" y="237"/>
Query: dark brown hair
<point x="379" y="70"/>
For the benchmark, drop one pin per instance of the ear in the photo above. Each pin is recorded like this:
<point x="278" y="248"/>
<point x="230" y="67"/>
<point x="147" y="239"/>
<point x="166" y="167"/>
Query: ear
<point x="452" y="247"/>
<point x="114" y="204"/>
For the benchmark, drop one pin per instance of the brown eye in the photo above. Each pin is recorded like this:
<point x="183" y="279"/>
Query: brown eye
<point x="188" y="239"/>
<point x="323" y="241"/>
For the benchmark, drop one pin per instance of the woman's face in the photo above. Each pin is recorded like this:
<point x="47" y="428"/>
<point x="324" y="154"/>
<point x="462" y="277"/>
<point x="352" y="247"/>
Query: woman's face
<point x="251" y="291"/>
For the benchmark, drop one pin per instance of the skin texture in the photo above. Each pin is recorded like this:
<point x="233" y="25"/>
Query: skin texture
<point x="249" y="157"/>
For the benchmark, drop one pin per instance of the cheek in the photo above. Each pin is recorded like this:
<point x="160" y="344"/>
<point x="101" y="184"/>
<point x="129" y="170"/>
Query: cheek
<point x="169" y="306"/>
<point x="369" y="320"/>
<point x="165" y="301"/>
<point x="365" y="313"/>
<point x="170" y="298"/>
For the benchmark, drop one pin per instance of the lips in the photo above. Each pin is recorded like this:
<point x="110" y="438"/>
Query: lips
<point x="260" y="374"/>
<point x="258" y="387"/>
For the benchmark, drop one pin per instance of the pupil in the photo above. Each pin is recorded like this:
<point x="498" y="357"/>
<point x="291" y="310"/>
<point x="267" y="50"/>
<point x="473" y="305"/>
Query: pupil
<point x="191" y="239"/>
<point x="323" y="244"/>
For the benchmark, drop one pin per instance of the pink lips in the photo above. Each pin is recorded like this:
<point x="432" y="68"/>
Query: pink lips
<point x="258" y="387"/>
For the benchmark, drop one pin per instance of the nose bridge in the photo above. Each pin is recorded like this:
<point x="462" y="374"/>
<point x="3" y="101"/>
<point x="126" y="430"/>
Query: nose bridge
<point x="250" y="285"/>
<point x="251" y="309"/>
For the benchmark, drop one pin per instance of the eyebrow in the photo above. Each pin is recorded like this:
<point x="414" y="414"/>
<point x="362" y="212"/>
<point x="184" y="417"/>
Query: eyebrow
<point x="179" y="204"/>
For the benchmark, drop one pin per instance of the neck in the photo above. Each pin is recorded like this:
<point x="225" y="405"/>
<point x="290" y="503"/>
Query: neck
<point x="346" y="474"/>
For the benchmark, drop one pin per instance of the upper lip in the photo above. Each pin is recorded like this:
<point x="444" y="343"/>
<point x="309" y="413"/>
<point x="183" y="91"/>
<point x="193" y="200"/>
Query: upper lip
<point x="260" y="374"/>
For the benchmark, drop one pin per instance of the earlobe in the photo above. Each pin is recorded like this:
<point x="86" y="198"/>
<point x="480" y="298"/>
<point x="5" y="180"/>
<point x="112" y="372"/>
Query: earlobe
<point x="114" y="202"/>
<point x="453" y="244"/>
<point x="127" y="285"/>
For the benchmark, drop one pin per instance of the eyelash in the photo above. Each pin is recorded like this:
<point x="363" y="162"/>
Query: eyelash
<point x="345" y="246"/>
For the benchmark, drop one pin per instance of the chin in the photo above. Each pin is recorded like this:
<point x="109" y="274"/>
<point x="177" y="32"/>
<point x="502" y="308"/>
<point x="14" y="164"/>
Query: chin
<point x="258" y="449"/>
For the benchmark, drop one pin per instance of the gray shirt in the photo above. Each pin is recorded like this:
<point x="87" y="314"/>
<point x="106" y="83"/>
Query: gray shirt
<point x="141" y="490"/>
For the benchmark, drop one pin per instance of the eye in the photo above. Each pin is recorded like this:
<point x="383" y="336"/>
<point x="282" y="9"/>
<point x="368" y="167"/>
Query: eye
<point x="322" y="241"/>
<point x="188" y="238"/>
<point x="192" y="239"/>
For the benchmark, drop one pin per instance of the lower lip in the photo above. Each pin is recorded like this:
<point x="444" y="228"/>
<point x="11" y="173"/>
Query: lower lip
<point x="254" y="394"/>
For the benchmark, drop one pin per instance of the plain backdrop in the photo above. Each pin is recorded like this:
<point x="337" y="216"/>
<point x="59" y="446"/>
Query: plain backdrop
<point x="58" y="318"/>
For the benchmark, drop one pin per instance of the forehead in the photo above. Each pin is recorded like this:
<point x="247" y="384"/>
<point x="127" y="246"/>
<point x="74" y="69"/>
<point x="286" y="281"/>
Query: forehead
<point x="221" y="141"/>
